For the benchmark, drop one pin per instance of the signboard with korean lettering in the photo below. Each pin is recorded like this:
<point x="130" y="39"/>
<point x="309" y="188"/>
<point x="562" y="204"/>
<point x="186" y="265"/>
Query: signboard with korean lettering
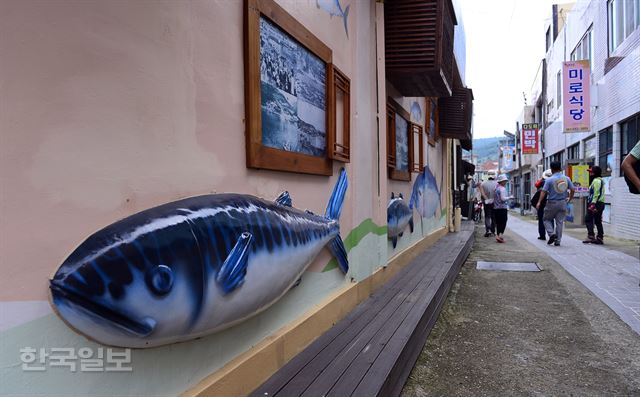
<point x="580" y="175"/>
<point x="530" y="138"/>
<point x="575" y="96"/>
<point x="507" y="158"/>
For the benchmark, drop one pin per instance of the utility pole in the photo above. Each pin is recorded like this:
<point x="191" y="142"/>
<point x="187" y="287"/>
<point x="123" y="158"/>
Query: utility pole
<point x="519" y="150"/>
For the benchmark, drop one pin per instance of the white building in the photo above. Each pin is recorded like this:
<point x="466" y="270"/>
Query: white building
<point x="608" y="34"/>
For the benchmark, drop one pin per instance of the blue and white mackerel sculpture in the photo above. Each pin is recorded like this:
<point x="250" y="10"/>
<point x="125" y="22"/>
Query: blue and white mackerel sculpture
<point x="399" y="215"/>
<point x="191" y="267"/>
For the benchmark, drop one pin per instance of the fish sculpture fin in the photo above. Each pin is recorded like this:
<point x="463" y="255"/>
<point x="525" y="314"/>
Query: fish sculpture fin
<point x="345" y="17"/>
<point x="284" y="199"/>
<point x="234" y="268"/>
<point x="411" y="224"/>
<point x="394" y="241"/>
<point x="337" y="196"/>
<point x="339" y="252"/>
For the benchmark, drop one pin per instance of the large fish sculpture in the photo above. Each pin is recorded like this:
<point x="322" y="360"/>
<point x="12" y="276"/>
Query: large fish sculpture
<point x="398" y="217"/>
<point x="425" y="196"/>
<point x="191" y="267"/>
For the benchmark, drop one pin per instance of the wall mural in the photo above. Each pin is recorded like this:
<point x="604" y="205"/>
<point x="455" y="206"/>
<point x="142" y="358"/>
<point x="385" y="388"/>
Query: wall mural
<point x="334" y="8"/>
<point x="191" y="267"/>
<point x="398" y="217"/>
<point x="425" y="196"/>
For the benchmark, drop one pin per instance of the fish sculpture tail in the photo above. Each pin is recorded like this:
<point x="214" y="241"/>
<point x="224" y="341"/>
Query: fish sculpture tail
<point x="336" y="246"/>
<point x="344" y="20"/>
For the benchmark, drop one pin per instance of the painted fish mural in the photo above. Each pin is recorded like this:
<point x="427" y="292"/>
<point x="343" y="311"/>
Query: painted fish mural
<point x="334" y="8"/>
<point x="425" y="196"/>
<point x="398" y="217"/>
<point x="416" y="111"/>
<point x="191" y="267"/>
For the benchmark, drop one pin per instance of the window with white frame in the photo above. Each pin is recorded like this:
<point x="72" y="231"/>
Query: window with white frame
<point x="558" y="88"/>
<point x="584" y="48"/>
<point x="623" y="18"/>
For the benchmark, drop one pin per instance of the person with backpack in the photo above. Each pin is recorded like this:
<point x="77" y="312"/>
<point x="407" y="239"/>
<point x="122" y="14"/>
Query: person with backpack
<point x="595" y="207"/>
<point x="540" y="210"/>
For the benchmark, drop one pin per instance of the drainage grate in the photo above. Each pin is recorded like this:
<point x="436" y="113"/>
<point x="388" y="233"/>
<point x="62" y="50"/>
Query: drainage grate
<point x="509" y="266"/>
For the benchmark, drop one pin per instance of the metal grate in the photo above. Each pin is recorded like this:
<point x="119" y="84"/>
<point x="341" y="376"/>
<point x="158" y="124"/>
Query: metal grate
<point x="509" y="266"/>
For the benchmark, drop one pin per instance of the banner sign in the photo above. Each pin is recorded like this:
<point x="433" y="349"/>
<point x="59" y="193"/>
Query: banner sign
<point x="507" y="158"/>
<point x="530" y="138"/>
<point x="580" y="175"/>
<point x="575" y="96"/>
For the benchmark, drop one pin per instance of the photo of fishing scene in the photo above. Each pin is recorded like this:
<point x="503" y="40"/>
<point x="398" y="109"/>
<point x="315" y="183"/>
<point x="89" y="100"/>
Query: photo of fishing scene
<point x="293" y="91"/>
<point x="402" y="144"/>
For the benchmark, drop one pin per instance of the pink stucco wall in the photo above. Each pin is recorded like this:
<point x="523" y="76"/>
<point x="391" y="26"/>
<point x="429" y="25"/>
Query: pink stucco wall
<point x="109" y="108"/>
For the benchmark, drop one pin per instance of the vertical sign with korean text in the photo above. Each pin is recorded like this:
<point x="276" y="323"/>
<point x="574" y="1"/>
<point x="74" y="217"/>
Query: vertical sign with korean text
<point x="530" y="138"/>
<point x="507" y="158"/>
<point x="575" y="96"/>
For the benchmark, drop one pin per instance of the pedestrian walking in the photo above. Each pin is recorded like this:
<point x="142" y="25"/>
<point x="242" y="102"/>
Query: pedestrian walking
<point x="534" y="202"/>
<point x="501" y="207"/>
<point x="558" y="190"/>
<point x="488" y="191"/>
<point x="595" y="207"/>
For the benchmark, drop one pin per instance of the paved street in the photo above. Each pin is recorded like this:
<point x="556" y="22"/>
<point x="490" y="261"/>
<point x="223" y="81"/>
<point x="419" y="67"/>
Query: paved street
<point x="532" y="333"/>
<point x="611" y="275"/>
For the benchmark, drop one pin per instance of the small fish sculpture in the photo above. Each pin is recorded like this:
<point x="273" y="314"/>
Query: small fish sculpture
<point x="416" y="111"/>
<point x="191" y="267"/>
<point x="334" y="8"/>
<point x="398" y="217"/>
<point x="425" y="196"/>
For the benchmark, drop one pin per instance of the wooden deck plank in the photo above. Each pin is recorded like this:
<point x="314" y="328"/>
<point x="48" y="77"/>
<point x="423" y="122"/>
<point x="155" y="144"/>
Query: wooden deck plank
<point x="373" y="349"/>
<point x="383" y="322"/>
<point x="336" y="357"/>
<point x="377" y="300"/>
<point x="410" y="337"/>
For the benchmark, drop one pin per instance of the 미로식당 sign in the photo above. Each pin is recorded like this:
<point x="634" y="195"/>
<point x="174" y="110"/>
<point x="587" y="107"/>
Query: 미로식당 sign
<point x="575" y="96"/>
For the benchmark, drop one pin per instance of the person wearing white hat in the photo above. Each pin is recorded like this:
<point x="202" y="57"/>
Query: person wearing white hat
<point x="487" y="191"/>
<point x="500" y="207"/>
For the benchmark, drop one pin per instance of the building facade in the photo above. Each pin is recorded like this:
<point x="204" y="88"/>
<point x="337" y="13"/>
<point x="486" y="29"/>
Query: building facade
<point x="111" y="108"/>
<point x="607" y="33"/>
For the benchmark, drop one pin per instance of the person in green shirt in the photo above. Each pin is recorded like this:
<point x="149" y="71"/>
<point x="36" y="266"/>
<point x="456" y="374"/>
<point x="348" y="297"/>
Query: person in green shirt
<point x="595" y="207"/>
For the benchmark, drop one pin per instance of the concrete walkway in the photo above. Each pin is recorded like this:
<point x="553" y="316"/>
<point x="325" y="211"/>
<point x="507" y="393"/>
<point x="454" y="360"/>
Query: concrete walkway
<point x="611" y="275"/>
<point x="542" y="333"/>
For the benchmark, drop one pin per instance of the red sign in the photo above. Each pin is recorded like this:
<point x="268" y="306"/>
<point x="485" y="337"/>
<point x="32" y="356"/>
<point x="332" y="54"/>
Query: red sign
<point x="530" y="138"/>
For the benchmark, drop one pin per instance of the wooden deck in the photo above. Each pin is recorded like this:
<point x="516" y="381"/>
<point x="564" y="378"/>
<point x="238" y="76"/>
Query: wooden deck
<point x="373" y="349"/>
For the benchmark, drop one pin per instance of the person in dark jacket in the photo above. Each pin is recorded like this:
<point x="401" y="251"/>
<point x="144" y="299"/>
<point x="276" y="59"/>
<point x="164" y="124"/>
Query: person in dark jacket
<point x="534" y="202"/>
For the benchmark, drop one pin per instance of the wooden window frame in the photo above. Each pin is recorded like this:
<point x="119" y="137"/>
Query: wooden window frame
<point x="339" y="82"/>
<point x="436" y="134"/>
<point x="393" y="109"/>
<point x="258" y="155"/>
<point x="416" y="133"/>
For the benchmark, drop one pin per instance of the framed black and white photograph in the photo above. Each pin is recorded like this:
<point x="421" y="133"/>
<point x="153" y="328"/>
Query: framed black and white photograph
<point x="288" y="93"/>
<point x="293" y="91"/>
<point x="402" y="144"/>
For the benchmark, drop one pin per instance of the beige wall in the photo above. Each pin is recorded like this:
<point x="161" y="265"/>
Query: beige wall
<point x="111" y="107"/>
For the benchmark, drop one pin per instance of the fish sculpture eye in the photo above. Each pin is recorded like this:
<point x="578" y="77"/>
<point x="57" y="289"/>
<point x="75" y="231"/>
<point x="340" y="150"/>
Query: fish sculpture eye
<point x="160" y="279"/>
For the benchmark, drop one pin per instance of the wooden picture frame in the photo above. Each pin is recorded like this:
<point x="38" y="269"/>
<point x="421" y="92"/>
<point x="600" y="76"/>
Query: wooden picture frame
<point x="284" y="39"/>
<point x="416" y="163"/>
<point x="432" y="124"/>
<point x="339" y="132"/>
<point x="398" y="163"/>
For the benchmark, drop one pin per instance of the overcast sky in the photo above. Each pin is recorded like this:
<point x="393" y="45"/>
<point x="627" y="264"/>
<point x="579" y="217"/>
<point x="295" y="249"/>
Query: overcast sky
<point x="505" y="45"/>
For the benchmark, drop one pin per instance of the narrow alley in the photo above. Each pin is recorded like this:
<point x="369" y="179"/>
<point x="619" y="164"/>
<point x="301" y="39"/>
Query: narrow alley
<point x="543" y="333"/>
